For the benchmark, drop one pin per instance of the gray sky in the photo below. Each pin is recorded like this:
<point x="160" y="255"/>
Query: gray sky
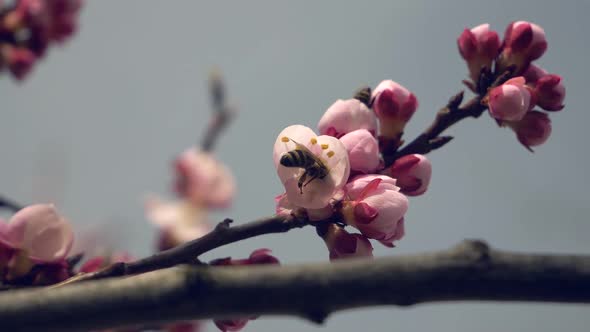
<point x="96" y="125"/>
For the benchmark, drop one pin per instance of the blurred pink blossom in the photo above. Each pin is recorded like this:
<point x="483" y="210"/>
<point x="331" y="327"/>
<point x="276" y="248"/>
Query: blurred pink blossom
<point x="178" y="221"/>
<point x="40" y="231"/>
<point x="203" y="180"/>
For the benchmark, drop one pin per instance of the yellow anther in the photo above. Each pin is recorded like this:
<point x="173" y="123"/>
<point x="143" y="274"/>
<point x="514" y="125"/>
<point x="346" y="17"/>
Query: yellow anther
<point x="313" y="140"/>
<point x="325" y="146"/>
<point x="330" y="154"/>
<point x="284" y="139"/>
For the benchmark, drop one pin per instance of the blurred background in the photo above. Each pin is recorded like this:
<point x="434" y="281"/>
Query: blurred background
<point x="96" y="125"/>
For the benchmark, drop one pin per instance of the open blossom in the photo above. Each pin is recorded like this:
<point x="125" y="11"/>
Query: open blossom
<point x="342" y="244"/>
<point x="412" y="173"/>
<point x="363" y="151"/>
<point x="40" y="231"/>
<point x="313" y="192"/>
<point x="511" y="100"/>
<point x="479" y="47"/>
<point x="375" y="207"/>
<point x="549" y="92"/>
<point x="178" y="221"/>
<point x="345" y="116"/>
<point x="533" y="130"/>
<point x="203" y="180"/>
<point x="523" y="43"/>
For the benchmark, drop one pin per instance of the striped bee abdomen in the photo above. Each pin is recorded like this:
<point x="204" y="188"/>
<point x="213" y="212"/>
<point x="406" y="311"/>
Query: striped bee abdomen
<point x="297" y="158"/>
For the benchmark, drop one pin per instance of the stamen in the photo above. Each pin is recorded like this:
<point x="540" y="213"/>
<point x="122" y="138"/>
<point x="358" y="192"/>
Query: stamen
<point x="313" y="140"/>
<point x="325" y="146"/>
<point x="284" y="139"/>
<point x="330" y="154"/>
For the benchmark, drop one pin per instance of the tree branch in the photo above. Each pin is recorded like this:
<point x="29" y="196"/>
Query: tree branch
<point x="187" y="253"/>
<point x="468" y="272"/>
<point x="452" y="113"/>
<point x="222" y="112"/>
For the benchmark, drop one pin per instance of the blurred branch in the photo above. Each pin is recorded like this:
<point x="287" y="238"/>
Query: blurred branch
<point x="9" y="204"/>
<point x="222" y="112"/>
<point x="468" y="272"/>
<point x="188" y="253"/>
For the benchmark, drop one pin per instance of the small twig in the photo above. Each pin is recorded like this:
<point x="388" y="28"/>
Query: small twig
<point x="222" y="112"/>
<point x="468" y="272"/>
<point x="186" y="253"/>
<point x="9" y="204"/>
<point x="452" y="113"/>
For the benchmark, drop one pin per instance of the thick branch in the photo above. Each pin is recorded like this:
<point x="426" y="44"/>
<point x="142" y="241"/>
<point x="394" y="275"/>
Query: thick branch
<point x="468" y="272"/>
<point x="187" y="253"/>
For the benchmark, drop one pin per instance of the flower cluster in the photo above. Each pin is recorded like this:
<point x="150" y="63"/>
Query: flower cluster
<point x="29" y="27"/>
<point x="512" y="103"/>
<point x="34" y="245"/>
<point x="340" y="177"/>
<point x="201" y="183"/>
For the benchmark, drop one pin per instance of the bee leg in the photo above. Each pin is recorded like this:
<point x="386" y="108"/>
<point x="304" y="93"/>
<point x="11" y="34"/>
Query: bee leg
<point x="301" y="181"/>
<point x="313" y="178"/>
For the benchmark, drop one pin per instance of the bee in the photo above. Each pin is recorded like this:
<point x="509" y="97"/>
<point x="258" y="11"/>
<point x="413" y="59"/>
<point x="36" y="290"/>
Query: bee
<point x="301" y="157"/>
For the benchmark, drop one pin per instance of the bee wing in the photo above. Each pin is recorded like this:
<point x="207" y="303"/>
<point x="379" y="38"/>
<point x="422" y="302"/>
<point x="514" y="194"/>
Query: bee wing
<point x="299" y="146"/>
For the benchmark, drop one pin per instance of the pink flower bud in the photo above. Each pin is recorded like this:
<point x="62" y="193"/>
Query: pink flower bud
<point x="479" y="47"/>
<point x="363" y="151"/>
<point x="345" y="116"/>
<point x="523" y="43"/>
<point x="412" y="173"/>
<point x="203" y="180"/>
<point x="533" y="130"/>
<point x="533" y="74"/>
<point x="342" y="244"/>
<point x="375" y="207"/>
<point x="40" y="231"/>
<point x="19" y="60"/>
<point x="511" y="100"/>
<point x="394" y="106"/>
<point x="550" y="92"/>
<point x="312" y="168"/>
